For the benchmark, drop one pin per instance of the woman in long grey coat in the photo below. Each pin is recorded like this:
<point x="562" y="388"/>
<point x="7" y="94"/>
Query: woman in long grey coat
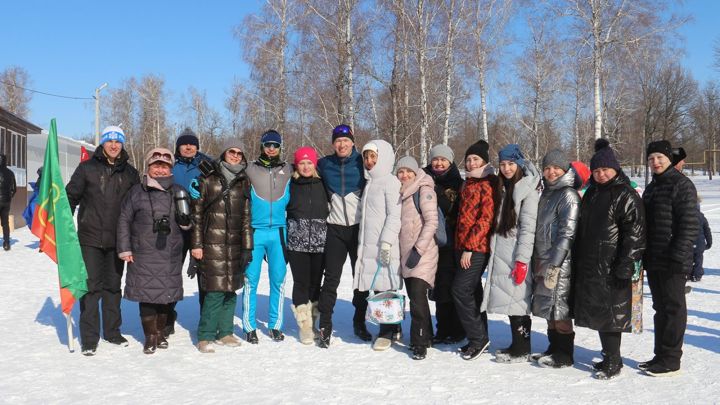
<point x="508" y="290"/>
<point x="379" y="247"/>
<point x="150" y="240"/>
<point x="557" y="217"/>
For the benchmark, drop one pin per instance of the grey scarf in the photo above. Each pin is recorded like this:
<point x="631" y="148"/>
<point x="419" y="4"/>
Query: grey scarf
<point x="231" y="171"/>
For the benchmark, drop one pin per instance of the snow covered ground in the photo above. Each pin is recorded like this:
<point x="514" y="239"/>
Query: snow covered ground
<point x="36" y="366"/>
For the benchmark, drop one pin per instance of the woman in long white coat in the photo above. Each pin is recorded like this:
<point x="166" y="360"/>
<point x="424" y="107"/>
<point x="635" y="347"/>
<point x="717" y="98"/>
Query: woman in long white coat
<point x="379" y="247"/>
<point x="509" y="289"/>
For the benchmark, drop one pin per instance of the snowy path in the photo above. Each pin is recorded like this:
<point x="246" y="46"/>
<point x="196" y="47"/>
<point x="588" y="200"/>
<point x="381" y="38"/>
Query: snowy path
<point x="37" y="368"/>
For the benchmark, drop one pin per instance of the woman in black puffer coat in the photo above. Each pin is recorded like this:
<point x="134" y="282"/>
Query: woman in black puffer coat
<point x="222" y="244"/>
<point x="448" y="182"/>
<point x="610" y="238"/>
<point x="307" y="213"/>
<point x="672" y="228"/>
<point x="149" y="239"/>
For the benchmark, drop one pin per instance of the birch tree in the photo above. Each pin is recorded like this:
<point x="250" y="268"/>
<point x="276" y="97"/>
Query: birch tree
<point x="13" y="94"/>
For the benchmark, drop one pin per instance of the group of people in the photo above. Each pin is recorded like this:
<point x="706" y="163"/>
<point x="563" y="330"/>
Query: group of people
<point x="549" y="251"/>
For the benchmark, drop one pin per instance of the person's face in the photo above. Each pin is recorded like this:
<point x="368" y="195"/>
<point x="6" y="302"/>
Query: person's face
<point x="473" y="162"/>
<point x="440" y="164"/>
<point x="112" y="149"/>
<point x="271" y="149"/>
<point x="405" y="175"/>
<point x="369" y="159"/>
<point x="602" y="175"/>
<point x="159" y="169"/>
<point x="233" y="156"/>
<point x="188" y="151"/>
<point x="552" y="173"/>
<point x="658" y="162"/>
<point x="306" y="168"/>
<point x="343" y="147"/>
<point x="508" y="168"/>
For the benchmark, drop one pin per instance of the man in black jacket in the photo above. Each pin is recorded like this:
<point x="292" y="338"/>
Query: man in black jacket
<point x="98" y="186"/>
<point x="672" y="228"/>
<point x="7" y="191"/>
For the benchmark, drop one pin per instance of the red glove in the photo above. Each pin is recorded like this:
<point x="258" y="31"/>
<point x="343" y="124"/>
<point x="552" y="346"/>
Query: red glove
<point x="519" y="272"/>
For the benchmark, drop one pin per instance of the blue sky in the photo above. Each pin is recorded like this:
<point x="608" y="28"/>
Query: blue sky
<point x="71" y="47"/>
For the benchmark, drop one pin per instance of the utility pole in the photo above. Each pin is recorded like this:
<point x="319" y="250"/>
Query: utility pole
<point x="97" y="113"/>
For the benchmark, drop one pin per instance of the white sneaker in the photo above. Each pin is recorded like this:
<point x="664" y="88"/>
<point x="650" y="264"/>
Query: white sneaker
<point x="381" y="344"/>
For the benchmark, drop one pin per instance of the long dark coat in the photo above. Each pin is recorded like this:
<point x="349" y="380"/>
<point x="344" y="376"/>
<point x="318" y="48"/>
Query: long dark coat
<point x="221" y="217"/>
<point x="610" y="238"/>
<point x="155" y="276"/>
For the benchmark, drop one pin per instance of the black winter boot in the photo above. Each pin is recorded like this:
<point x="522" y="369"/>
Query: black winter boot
<point x="551" y="333"/>
<point x="611" y="366"/>
<point x="519" y="350"/>
<point x="563" y="352"/>
<point x="361" y="331"/>
<point x="169" y="328"/>
<point x="162" y="342"/>
<point x="149" y="325"/>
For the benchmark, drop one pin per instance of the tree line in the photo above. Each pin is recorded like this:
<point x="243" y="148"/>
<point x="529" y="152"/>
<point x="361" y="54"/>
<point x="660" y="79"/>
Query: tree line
<point x="544" y="74"/>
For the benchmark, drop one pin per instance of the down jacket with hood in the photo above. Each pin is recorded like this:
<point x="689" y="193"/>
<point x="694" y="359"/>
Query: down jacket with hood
<point x="502" y="295"/>
<point x="379" y="222"/>
<point x="155" y="275"/>
<point x="557" y="217"/>
<point x="221" y="217"/>
<point x="418" y="228"/>
<point x="610" y="238"/>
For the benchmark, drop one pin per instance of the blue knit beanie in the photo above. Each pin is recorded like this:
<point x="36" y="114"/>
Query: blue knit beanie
<point x="512" y="153"/>
<point x="271" y="136"/>
<point x="112" y="133"/>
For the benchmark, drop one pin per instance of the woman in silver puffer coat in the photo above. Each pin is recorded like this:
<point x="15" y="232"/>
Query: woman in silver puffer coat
<point x="557" y="218"/>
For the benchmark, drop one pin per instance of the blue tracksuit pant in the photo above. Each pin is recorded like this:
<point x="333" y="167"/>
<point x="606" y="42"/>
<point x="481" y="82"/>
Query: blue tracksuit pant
<point x="268" y="242"/>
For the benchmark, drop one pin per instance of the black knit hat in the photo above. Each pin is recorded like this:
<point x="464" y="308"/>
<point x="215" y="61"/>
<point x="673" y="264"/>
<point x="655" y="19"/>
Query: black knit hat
<point x="604" y="156"/>
<point x="663" y="147"/>
<point x="480" y="148"/>
<point x="678" y="155"/>
<point x="187" y="137"/>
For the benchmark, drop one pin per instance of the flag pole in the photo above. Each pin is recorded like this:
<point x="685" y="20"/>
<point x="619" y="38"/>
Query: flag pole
<point x="71" y="339"/>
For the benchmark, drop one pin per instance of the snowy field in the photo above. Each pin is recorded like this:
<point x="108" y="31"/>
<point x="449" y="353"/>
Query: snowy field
<point x="37" y="367"/>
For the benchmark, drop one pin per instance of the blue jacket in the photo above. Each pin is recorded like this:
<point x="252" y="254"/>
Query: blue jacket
<point x="269" y="194"/>
<point x="186" y="170"/>
<point x="345" y="180"/>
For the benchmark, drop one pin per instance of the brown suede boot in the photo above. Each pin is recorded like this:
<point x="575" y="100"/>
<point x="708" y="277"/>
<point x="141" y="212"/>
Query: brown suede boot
<point x="149" y="324"/>
<point x="162" y="343"/>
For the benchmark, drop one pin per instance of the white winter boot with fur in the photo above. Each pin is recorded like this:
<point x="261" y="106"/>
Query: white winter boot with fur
<point x="303" y="316"/>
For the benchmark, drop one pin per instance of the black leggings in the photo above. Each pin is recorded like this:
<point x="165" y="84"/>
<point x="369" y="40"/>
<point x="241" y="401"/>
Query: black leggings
<point x="148" y="309"/>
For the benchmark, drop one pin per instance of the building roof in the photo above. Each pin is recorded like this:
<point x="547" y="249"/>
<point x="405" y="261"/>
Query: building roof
<point x="19" y="122"/>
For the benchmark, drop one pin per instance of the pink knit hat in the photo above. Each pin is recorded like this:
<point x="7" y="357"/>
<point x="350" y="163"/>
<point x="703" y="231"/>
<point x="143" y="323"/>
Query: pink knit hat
<point x="306" y="153"/>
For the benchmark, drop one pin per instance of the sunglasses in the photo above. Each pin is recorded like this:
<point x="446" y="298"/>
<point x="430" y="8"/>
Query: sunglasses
<point x="162" y="156"/>
<point x="271" y="145"/>
<point x="234" y="152"/>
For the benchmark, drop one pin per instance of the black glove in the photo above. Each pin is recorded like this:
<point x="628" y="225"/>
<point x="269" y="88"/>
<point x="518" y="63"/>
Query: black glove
<point x="708" y="246"/>
<point x="678" y="268"/>
<point x="413" y="259"/>
<point x="192" y="268"/>
<point x="245" y="259"/>
<point x="620" y="283"/>
<point x="183" y="220"/>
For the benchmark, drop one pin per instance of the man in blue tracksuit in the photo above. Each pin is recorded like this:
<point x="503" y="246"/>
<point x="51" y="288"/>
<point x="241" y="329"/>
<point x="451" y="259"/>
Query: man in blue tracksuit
<point x="185" y="173"/>
<point x="269" y="195"/>
<point x="344" y="176"/>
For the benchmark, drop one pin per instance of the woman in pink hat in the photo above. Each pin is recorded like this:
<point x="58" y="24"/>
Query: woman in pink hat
<point x="307" y="212"/>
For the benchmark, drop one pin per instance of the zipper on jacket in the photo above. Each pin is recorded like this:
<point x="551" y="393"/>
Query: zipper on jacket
<point x="342" y="191"/>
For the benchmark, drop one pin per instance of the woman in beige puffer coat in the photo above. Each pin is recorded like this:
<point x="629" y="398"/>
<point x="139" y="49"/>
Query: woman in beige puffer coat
<point x="418" y="249"/>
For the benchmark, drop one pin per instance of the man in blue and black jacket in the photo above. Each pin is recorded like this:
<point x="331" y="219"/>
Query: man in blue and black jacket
<point x="343" y="175"/>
